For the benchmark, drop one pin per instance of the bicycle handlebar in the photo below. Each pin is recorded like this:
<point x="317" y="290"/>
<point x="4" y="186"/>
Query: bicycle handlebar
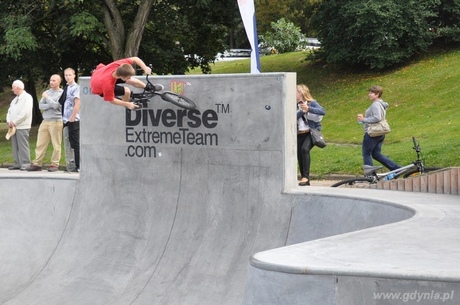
<point x="417" y="149"/>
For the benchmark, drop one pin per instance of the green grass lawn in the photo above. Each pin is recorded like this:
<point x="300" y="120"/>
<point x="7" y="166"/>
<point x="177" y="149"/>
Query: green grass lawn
<point x="422" y="96"/>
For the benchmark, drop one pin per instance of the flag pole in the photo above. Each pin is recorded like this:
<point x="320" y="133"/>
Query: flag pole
<point x="248" y="15"/>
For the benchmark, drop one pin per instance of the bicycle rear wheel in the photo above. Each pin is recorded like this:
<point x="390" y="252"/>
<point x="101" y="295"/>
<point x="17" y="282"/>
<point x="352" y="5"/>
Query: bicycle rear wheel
<point x="178" y="100"/>
<point x="352" y="181"/>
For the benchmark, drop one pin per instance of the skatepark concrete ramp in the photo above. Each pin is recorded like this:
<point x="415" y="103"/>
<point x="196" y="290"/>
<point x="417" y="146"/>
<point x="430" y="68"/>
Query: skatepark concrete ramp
<point x="186" y="207"/>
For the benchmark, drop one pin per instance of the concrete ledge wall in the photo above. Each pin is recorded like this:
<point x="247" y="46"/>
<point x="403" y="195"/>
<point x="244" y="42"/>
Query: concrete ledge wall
<point x="296" y="289"/>
<point x="235" y="113"/>
<point x="415" y="257"/>
<point x="319" y="216"/>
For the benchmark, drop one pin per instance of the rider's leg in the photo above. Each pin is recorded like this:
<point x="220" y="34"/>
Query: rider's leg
<point x="136" y="83"/>
<point x="139" y="84"/>
<point x="126" y="96"/>
<point x="122" y="92"/>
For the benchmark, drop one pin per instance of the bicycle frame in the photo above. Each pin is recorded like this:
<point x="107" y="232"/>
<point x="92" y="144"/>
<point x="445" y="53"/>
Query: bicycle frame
<point x="393" y="174"/>
<point x="371" y="176"/>
<point x="142" y="99"/>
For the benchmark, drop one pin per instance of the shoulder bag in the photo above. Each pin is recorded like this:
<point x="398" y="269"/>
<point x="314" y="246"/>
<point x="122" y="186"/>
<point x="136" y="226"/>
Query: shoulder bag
<point x="316" y="135"/>
<point x="317" y="138"/>
<point x="379" y="128"/>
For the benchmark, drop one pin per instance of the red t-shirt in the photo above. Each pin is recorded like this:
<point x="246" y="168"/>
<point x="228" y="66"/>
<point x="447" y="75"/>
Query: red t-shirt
<point x="102" y="81"/>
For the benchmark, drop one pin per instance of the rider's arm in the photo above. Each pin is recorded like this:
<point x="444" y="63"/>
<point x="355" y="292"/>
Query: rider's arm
<point x="119" y="102"/>
<point x="134" y="81"/>
<point x="141" y="64"/>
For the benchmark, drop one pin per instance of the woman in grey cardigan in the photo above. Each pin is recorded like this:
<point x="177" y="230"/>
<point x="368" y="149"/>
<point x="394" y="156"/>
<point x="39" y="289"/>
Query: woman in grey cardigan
<point x="372" y="146"/>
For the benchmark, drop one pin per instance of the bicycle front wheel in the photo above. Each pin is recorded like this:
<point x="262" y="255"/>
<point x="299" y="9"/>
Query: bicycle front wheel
<point x="178" y="100"/>
<point x="416" y="172"/>
<point x="351" y="182"/>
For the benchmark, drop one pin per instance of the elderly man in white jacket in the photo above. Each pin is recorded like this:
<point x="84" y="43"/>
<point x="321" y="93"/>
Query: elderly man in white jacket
<point x="20" y="116"/>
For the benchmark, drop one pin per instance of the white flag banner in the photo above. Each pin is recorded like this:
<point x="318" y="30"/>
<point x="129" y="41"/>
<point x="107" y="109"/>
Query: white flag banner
<point x="248" y="14"/>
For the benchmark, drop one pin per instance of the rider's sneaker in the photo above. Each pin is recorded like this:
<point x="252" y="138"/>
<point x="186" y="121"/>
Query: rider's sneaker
<point x="154" y="87"/>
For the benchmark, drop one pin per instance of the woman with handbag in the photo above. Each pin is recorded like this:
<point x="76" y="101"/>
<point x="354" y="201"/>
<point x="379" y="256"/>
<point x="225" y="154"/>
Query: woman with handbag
<point x="309" y="116"/>
<point x="372" y="144"/>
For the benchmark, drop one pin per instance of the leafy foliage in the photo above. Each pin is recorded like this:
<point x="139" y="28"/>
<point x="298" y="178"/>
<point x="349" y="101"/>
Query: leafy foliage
<point x="375" y="34"/>
<point x="298" y="12"/>
<point x="446" y="24"/>
<point x="284" y="37"/>
<point x="86" y="25"/>
<point x="18" y="36"/>
<point x="48" y="36"/>
<point x="182" y="35"/>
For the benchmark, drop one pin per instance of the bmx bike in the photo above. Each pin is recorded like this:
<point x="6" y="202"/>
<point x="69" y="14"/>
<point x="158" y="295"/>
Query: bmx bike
<point x="141" y="99"/>
<point x="371" y="176"/>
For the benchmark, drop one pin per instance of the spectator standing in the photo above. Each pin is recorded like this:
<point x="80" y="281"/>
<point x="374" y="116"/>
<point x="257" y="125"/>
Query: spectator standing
<point x="19" y="116"/>
<point x="71" y="113"/>
<point x="50" y="128"/>
<point x="309" y="116"/>
<point x="372" y="146"/>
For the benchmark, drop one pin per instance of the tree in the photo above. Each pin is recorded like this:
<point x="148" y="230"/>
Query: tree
<point x="284" y="37"/>
<point x="446" y="24"/>
<point x="299" y="12"/>
<point x="302" y="12"/>
<point x="184" y="34"/>
<point x="371" y="33"/>
<point x="38" y="38"/>
<point x="269" y="11"/>
<point x="124" y="44"/>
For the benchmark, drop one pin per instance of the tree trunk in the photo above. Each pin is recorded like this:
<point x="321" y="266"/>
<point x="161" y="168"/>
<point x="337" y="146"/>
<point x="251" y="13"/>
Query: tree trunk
<point x="121" y="45"/>
<point x="135" y="33"/>
<point x="115" y="29"/>
<point x="37" y="117"/>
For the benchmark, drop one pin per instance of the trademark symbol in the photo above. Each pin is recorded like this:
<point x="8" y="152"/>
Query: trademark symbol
<point x="222" y="108"/>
